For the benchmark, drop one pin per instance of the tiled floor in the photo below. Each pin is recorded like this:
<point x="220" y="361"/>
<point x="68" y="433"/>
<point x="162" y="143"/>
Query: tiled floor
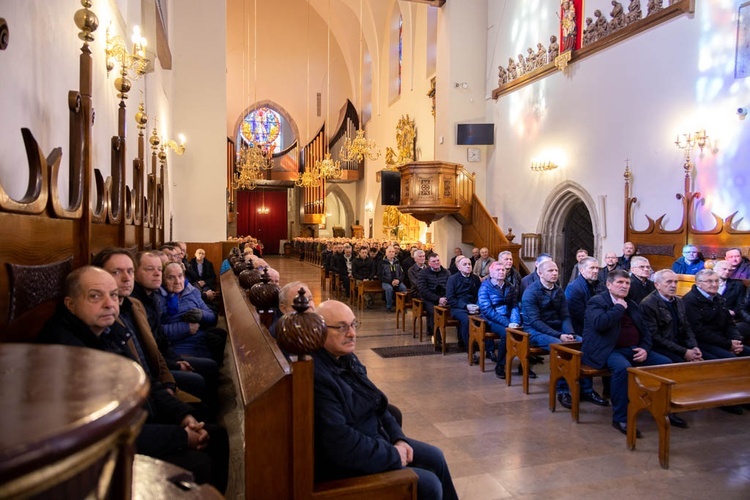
<point x="501" y="443"/>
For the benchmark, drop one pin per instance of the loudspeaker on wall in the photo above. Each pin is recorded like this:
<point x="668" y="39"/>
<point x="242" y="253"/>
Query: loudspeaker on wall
<point x="390" y="188"/>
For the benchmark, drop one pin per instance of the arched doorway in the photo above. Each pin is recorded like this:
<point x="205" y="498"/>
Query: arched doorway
<point x="577" y="233"/>
<point x="569" y="222"/>
<point x="339" y="211"/>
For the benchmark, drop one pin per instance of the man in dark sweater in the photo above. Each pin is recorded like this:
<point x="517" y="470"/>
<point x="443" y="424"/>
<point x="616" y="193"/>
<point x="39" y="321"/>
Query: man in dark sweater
<point x="461" y="290"/>
<point x="640" y="282"/>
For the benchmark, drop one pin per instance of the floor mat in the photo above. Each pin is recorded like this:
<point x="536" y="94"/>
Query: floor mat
<point x="406" y="351"/>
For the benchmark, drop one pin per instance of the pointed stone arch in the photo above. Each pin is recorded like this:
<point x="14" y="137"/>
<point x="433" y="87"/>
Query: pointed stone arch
<point x="335" y="190"/>
<point x="555" y="213"/>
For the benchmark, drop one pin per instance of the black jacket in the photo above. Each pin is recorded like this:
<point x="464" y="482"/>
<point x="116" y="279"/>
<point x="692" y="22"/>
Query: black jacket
<point x="710" y="319"/>
<point x="364" y="269"/>
<point x="208" y="275"/>
<point x="639" y="289"/>
<point x="658" y="319"/>
<point x="432" y="284"/>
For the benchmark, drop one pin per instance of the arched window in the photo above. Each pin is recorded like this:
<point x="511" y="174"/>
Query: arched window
<point x="400" y="50"/>
<point x="395" y="54"/>
<point x="262" y="126"/>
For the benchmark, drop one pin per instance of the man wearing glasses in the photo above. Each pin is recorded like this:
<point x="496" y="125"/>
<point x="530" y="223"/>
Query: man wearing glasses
<point x="355" y="434"/>
<point x="707" y="313"/>
<point x="640" y="284"/>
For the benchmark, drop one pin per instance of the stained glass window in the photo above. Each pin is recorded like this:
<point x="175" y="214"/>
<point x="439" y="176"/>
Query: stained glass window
<point x="262" y="126"/>
<point x="400" y="49"/>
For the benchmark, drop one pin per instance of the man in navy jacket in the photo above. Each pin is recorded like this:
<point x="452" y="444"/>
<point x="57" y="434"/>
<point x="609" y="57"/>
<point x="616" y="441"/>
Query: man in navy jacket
<point x="615" y="337"/>
<point x="355" y="433"/>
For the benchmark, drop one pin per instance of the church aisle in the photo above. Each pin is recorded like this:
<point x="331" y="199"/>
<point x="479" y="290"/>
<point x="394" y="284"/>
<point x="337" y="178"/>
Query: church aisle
<point x="501" y="443"/>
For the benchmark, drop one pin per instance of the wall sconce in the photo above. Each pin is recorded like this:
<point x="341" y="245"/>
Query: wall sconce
<point x="687" y="142"/>
<point x="368" y="207"/>
<point x="136" y="62"/>
<point x="178" y="148"/>
<point x="463" y="85"/>
<point x="543" y="166"/>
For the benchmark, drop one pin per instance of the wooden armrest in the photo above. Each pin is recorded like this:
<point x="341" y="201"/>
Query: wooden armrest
<point x="640" y="375"/>
<point x="568" y="348"/>
<point x="395" y="484"/>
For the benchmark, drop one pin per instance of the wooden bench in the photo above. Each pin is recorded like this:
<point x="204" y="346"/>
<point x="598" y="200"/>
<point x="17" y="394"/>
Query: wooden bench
<point x="323" y="277"/>
<point x="678" y="387"/>
<point x="417" y="313"/>
<point x="443" y="320"/>
<point x="478" y="333"/>
<point x="518" y="345"/>
<point x="368" y="286"/>
<point x="684" y="283"/>
<point x="352" y="290"/>
<point x="403" y="302"/>
<point x="276" y="398"/>
<point x="565" y="362"/>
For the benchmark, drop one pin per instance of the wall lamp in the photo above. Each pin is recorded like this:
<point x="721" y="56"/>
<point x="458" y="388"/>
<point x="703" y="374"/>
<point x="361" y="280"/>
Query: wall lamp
<point x="687" y="142"/>
<point x="543" y="166"/>
<point x="368" y="208"/>
<point x="178" y="148"/>
<point x="463" y="85"/>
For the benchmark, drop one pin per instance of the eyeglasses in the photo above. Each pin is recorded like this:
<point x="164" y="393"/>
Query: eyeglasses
<point x="354" y="325"/>
<point x="641" y="267"/>
<point x="708" y="281"/>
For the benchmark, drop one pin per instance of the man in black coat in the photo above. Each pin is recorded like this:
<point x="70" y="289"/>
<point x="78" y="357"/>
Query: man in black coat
<point x="87" y="319"/>
<point x="640" y="282"/>
<point x="432" y="288"/>
<point x="707" y="313"/>
<point x="355" y="433"/>
<point x="616" y="337"/>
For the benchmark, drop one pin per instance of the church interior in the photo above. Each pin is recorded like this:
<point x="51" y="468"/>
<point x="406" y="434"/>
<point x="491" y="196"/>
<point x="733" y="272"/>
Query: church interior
<point x="529" y="126"/>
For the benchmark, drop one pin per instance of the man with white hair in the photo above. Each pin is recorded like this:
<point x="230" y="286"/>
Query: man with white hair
<point x="640" y="284"/>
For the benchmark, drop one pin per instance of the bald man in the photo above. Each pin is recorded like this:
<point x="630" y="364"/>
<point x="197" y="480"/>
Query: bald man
<point x="355" y="434"/>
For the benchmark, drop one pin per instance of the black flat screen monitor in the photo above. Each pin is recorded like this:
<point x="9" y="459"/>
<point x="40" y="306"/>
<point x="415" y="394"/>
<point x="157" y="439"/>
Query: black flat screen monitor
<point x="473" y="134"/>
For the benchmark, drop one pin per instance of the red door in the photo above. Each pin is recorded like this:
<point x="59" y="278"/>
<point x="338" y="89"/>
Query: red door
<point x="269" y="225"/>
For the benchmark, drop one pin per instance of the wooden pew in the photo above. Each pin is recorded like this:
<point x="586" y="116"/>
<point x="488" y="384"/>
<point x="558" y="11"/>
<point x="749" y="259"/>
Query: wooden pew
<point x="518" y="345"/>
<point x="565" y="362"/>
<point x="678" y="387"/>
<point x="442" y="321"/>
<point x="478" y="333"/>
<point x="277" y="405"/>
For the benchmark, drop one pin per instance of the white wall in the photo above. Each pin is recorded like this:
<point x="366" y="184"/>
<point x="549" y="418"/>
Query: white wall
<point x="628" y="101"/>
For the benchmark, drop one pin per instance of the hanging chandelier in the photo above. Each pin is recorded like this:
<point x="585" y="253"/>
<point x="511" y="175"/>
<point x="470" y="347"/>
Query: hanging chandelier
<point x="308" y="179"/>
<point x="246" y="178"/>
<point x="360" y="148"/>
<point x="329" y="168"/>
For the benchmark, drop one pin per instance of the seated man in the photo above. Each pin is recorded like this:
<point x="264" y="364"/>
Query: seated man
<point x="533" y="277"/>
<point x="707" y="313"/>
<point x="615" y="337"/>
<point x="740" y="267"/>
<point x="690" y="262"/>
<point x="512" y="276"/>
<point x="87" y="318"/>
<point x="640" y="284"/>
<point x="391" y="277"/>
<point x="610" y="264"/>
<point x="474" y="256"/>
<point x="355" y="433"/>
<point x="413" y="272"/>
<point x="581" y="254"/>
<point x="432" y="283"/>
<point x="482" y="266"/>
<point x="457" y="252"/>
<point x="498" y="305"/>
<point x="731" y="289"/>
<point x="341" y="264"/>
<point x="547" y="321"/>
<point x="461" y="290"/>
<point x="628" y="250"/>
<point x="581" y="289"/>
<point x="363" y="268"/>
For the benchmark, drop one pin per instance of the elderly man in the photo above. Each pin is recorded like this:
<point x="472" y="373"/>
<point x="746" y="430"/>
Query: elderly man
<point x="690" y="262"/>
<point x="580" y="290"/>
<point x="740" y="267"/>
<point x="391" y="277"/>
<point x="498" y="305"/>
<point x="615" y="336"/>
<point x="640" y="284"/>
<point x="355" y="433"/>
<point x="461" y="290"/>
<point x="474" y="256"/>
<point x="707" y="313"/>
<point x="413" y="272"/>
<point x="628" y="250"/>
<point x="512" y="276"/>
<point x="432" y="283"/>
<point x="482" y="266"/>
<point x="731" y="289"/>
<point x="341" y="264"/>
<point x="363" y="269"/>
<point x="87" y="318"/>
